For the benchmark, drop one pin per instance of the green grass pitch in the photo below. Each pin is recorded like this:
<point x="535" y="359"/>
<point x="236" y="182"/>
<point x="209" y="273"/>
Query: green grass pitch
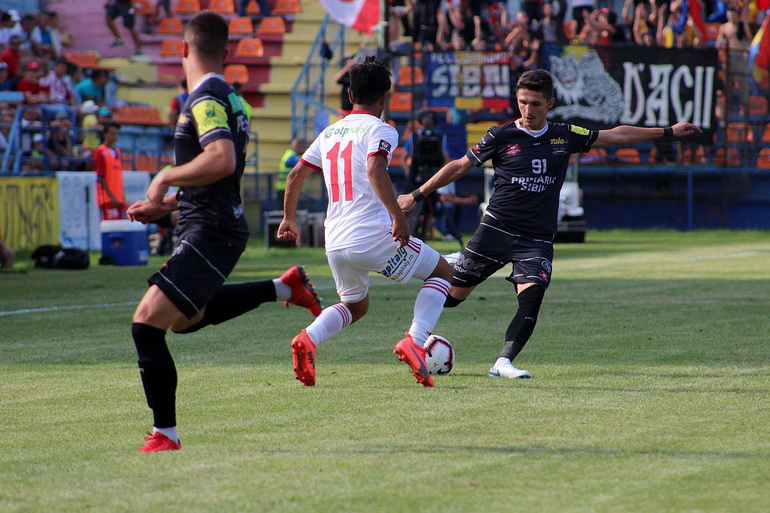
<point x="650" y="393"/>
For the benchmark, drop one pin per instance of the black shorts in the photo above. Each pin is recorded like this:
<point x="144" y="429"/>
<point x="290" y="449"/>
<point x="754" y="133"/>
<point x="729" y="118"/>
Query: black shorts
<point x="201" y="262"/>
<point x="493" y="246"/>
<point x="116" y="9"/>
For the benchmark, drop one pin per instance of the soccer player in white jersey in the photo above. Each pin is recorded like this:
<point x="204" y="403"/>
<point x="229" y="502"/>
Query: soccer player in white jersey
<point x="366" y="231"/>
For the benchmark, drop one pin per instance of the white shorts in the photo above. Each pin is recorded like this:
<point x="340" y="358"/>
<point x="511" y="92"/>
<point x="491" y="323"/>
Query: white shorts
<point x="351" y="266"/>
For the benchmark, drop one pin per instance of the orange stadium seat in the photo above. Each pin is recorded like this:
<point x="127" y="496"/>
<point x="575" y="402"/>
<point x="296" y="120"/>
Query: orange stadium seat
<point x="252" y="8"/>
<point x="763" y="161"/>
<point x="170" y="26"/>
<point x="405" y="75"/>
<point x="401" y="102"/>
<point x="287" y="7"/>
<point x="766" y="135"/>
<point x="222" y="6"/>
<point x="272" y="25"/>
<point x="236" y="73"/>
<point x="186" y="6"/>
<point x="85" y="60"/>
<point x="712" y="29"/>
<point x="241" y="26"/>
<point x="171" y="48"/>
<point x="757" y="105"/>
<point x="629" y="155"/>
<point x="127" y="160"/>
<point x="147" y="163"/>
<point x="143" y="7"/>
<point x="732" y="159"/>
<point x="249" y="47"/>
<point x="739" y="132"/>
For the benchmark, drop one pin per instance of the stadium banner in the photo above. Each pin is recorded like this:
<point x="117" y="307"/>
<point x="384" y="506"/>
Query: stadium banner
<point x="639" y="86"/>
<point x="468" y="80"/>
<point x="362" y="15"/>
<point x="29" y="209"/>
<point x="80" y="216"/>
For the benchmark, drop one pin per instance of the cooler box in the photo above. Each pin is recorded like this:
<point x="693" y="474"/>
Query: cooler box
<point x="125" y="242"/>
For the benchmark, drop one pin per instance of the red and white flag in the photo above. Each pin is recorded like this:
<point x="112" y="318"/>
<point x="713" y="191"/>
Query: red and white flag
<point x="361" y="15"/>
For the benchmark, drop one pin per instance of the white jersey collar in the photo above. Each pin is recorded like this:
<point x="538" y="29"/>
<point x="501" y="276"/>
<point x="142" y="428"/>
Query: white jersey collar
<point x="204" y="78"/>
<point x="537" y="133"/>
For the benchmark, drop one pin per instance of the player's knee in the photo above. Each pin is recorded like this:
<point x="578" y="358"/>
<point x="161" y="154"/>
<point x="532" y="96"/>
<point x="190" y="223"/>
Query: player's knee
<point x="530" y="300"/>
<point x="452" y="302"/>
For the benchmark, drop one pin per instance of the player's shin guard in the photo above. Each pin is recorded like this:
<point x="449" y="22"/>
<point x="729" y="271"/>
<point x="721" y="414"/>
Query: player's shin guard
<point x="158" y="372"/>
<point x="428" y="307"/>
<point x="523" y="323"/>
<point x="234" y="300"/>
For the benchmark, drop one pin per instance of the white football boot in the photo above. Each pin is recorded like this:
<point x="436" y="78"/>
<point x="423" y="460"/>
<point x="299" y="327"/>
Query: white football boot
<point x="507" y="370"/>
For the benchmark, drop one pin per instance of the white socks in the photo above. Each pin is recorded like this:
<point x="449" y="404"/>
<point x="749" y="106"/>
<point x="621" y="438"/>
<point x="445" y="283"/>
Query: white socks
<point x="427" y="308"/>
<point x="331" y="321"/>
<point x="169" y="432"/>
<point x="282" y="291"/>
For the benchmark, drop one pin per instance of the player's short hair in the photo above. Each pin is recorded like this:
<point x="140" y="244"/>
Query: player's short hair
<point x="369" y="81"/>
<point x="110" y="124"/>
<point x="207" y="34"/>
<point x="538" y="80"/>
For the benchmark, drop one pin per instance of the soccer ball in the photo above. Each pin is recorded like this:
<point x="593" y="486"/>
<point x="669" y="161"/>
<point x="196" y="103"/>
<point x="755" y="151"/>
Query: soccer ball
<point x="439" y="355"/>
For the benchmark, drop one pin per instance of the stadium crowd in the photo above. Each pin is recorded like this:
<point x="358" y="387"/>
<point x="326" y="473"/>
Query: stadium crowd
<point x="65" y="106"/>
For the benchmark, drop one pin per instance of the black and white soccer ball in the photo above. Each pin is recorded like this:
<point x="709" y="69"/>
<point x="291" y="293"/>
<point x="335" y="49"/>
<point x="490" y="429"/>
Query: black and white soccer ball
<point x="439" y="355"/>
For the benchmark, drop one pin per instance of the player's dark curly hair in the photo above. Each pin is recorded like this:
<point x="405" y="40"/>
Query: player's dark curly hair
<point x="369" y="81"/>
<point x="538" y="80"/>
<point x="207" y="33"/>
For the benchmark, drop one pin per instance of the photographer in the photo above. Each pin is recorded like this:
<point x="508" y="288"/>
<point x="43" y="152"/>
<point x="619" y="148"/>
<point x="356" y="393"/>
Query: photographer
<point x="426" y="151"/>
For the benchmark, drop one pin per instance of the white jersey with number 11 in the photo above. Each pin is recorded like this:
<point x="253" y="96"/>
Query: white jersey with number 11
<point x="355" y="215"/>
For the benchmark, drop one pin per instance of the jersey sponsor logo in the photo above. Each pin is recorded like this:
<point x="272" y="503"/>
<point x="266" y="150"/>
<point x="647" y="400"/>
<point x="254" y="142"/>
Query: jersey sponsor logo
<point x="558" y="141"/>
<point x="513" y="149"/>
<point x="534" y="183"/>
<point x="546" y="265"/>
<point x="235" y="102"/>
<point x="209" y="115"/>
<point x="579" y="130"/>
<point x="343" y="131"/>
<point x="384" y="145"/>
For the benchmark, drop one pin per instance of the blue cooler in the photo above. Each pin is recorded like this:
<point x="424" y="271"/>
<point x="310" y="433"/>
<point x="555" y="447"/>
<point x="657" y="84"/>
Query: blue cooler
<point x="125" y="242"/>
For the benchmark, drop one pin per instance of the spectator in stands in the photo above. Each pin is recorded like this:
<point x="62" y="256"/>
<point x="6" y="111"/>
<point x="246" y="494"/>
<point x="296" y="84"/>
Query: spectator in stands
<point x="400" y="10"/>
<point x="31" y="37"/>
<point x="157" y="15"/>
<point x="425" y="21"/>
<point x="92" y="88"/>
<point x="60" y="140"/>
<point x="520" y="34"/>
<point x="94" y="120"/>
<point x="11" y="56"/>
<point x="264" y="7"/>
<point x="343" y="79"/>
<point x="177" y="102"/>
<point x="6" y="84"/>
<point x="30" y="124"/>
<point x="533" y="9"/>
<point x="735" y="37"/>
<point x="288" y="160"/>
<point x="56" y="82"/>
<point x="7" y="254"/>
<point x="124" y="9"/>
<point x="59" y="40"/>
<point x="109" y="174"/>
<point x="580" y="8"/>
<point x="8" y="28"/>
<point x="550" y="31"/>
<point x="604" y="23"/>
<point x="678" y="31"/>
<point x="449" y="211"/>
<point x="46" y="46"/>
<point x="34" y="92"/>
<point x="33" y="160"/>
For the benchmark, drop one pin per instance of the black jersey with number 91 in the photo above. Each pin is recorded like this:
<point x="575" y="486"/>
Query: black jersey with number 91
<point x="213" y="111"/>
<point x="529" y="171"/>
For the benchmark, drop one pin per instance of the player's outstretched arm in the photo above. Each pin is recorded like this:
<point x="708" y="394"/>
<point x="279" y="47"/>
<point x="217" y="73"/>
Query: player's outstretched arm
<point x="289" y="228"/>
<point x="447" y="174"/>
<point x="626" y="134"/>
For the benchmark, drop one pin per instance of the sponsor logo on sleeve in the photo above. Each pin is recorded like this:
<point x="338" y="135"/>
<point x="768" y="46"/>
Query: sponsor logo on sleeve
<point x="579" y="130"/>
<point x="209" y="115"/>
<point x="384" y="145"/>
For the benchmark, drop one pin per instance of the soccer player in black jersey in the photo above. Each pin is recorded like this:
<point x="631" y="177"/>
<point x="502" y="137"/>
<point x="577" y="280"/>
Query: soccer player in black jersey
<point x="530" y="157"/>
<point x="188" y="292"/>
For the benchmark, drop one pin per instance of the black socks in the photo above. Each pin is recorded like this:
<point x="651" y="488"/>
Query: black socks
<point x="158" y="373"/>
